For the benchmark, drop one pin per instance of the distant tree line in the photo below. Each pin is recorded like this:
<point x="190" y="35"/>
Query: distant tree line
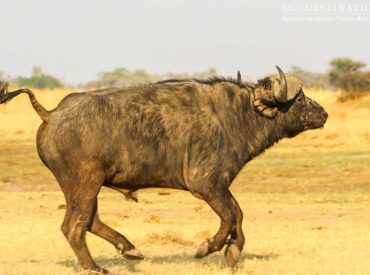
<point x="344" y="74"/>
<point x="119" y="77"/>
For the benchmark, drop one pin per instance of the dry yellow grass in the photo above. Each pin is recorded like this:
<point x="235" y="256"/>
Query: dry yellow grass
<point x="285" y="234"/>
<point x="306" y="205"/>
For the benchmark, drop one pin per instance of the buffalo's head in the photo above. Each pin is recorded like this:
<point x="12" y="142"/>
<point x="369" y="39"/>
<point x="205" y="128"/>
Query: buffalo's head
<point x="281" y="97"/>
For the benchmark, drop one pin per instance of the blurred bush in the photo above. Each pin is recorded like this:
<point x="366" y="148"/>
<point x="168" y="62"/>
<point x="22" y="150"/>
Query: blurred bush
<point x="38" y="80"/>
<point x="347" y="75"/>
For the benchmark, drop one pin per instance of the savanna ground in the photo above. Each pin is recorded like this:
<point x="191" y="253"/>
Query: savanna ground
<point x="305" y="201"/>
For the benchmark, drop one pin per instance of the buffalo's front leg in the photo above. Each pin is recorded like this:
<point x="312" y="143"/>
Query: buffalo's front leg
<point x="126" y="248"/>
<point x="220" y="200"/>
<point x="236" y="242"/>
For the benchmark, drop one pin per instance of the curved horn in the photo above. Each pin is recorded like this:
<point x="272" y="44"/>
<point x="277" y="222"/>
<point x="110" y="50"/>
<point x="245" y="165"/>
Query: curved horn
<point x="239" y="79"/>
<point x="282" y="94"/>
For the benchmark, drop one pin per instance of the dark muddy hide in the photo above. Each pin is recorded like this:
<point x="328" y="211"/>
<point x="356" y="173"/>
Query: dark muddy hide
<point x="184" y="134"/>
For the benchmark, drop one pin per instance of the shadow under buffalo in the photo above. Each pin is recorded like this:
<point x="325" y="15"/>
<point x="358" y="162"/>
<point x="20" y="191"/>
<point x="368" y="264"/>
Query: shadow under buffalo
<point x="213" y="259"/>
<point x="105" y="262"/>
<point x="210" y="259"/>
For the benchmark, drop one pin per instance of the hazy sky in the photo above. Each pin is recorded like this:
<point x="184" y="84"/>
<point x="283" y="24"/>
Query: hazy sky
<point x="77" y="39"/>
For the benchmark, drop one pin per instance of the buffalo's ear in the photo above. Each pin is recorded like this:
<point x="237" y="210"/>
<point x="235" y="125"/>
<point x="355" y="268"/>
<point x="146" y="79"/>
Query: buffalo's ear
<point x="266" y="108"/>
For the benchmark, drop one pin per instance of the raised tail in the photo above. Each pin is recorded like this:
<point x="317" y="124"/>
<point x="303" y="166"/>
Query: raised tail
<point x="6" y="96"/>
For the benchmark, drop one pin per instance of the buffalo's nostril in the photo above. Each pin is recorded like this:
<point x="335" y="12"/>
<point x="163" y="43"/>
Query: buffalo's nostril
<point x="326" y="115"/>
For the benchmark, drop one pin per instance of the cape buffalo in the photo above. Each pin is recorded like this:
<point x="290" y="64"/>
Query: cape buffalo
<point x="189" y="134"/>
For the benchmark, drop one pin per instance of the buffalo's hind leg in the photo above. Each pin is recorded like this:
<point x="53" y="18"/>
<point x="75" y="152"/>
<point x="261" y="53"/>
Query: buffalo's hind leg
<point x="221" y="201"/>
<point x="126" y="248"/>
<point x="81" y="200"/>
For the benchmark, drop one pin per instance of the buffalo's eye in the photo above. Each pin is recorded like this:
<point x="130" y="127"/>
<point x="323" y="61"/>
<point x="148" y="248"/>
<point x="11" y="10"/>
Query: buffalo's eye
<point x="300" y="99"/>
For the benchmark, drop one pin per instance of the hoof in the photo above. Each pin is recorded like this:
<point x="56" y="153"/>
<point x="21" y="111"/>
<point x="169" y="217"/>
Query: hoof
<point x="97" y="270"/>
<point x="103" y="270"/>
<point x="133" y="254"/>
<point x="203" y="249"/>
<point x="232" y="254"/>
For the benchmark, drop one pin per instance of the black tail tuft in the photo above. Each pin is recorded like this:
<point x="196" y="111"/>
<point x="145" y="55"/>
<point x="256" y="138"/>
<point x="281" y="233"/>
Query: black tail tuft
<point x="3" y="91"/>
<point x="6" y="96"/>
<point x="3" y="87"/>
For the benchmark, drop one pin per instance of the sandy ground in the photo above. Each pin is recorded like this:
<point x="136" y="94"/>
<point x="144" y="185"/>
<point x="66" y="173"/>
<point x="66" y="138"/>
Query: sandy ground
<point x="285" y="233"/>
